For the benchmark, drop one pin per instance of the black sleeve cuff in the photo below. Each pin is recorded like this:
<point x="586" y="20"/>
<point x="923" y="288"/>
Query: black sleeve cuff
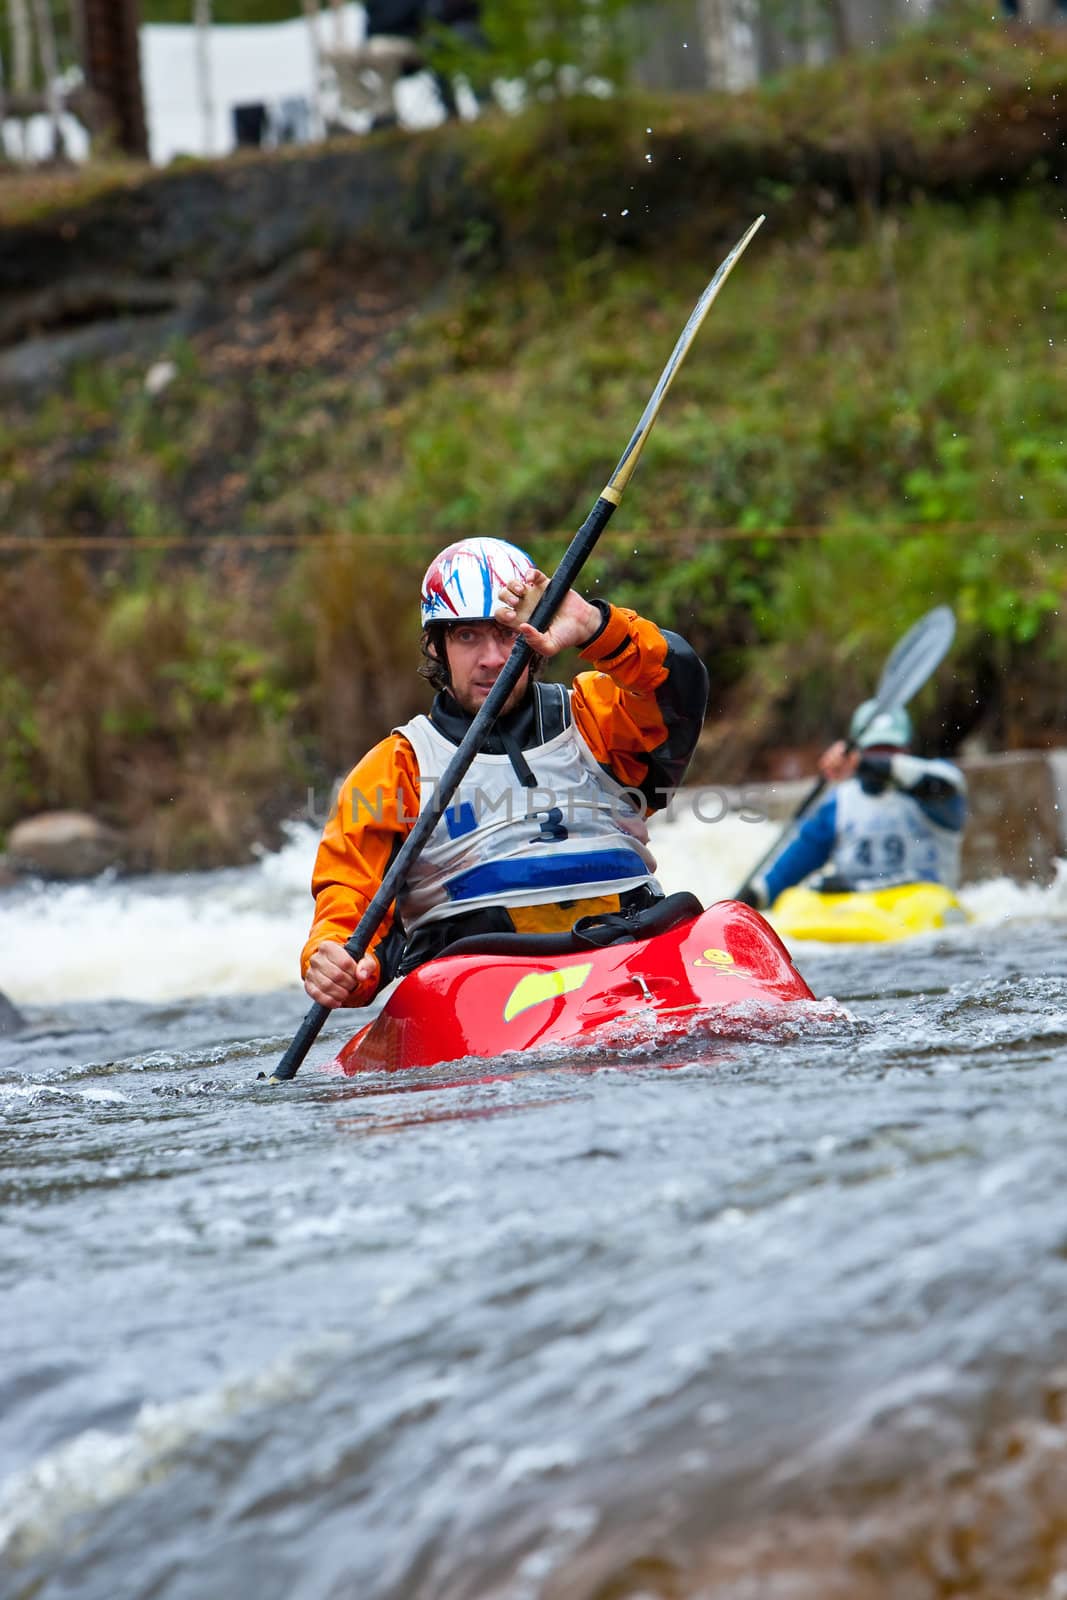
<point x="605" y="617"/>
<point x="874" y="772"/>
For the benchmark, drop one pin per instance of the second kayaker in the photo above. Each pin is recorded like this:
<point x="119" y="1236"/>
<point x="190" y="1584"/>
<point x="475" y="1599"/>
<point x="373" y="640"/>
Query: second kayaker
<point x="893" y="818"/>
<point x="548" y="825"/>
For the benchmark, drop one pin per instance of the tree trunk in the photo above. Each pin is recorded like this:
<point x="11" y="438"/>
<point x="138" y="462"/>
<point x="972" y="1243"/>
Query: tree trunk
<point x="671" y="52"/>
<point x="21" y="58"/>
<point x="46" y="53"/>
<point x="311" y="12"/>
<point x="111" y="101"/>
<point x="770" y="52"/>
<point x="840" y="30"/>
<point x="78" y="32"/>
<point x="205" y="90"/>
<point x="730" y="44"/>
<point x="21" y="47"/>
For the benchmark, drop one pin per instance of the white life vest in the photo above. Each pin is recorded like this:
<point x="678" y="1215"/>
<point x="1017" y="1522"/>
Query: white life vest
<point x="887" y="838"/>
<point x="577" y="835"/>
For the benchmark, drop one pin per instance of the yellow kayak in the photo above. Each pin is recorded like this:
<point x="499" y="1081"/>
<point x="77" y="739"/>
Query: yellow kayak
<point x="868" y="916"/>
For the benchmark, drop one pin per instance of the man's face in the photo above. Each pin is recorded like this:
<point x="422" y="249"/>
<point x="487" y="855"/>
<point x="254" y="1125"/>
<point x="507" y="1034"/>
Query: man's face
<point x="476" y="652"/>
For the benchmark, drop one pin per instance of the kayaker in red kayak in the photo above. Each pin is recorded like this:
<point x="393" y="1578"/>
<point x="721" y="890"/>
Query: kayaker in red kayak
<point x="548" y="825"/>
<point x="893" y="818"/>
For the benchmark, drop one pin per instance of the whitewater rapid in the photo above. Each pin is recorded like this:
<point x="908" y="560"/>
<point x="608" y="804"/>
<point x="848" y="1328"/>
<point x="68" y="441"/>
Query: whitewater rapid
<point x="240" y="930"/>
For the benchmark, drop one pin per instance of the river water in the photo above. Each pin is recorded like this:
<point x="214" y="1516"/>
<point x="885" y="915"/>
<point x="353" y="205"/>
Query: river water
<point x="781" y="1314"/>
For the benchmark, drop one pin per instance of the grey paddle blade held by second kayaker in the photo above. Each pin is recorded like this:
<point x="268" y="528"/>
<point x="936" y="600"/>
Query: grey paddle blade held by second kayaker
<point x="911" y="662"/>
<point x="575" y="557"/>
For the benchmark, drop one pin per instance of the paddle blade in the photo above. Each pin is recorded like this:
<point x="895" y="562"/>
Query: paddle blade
<point x="921" y="650"/>
<point x="629" y="458"/>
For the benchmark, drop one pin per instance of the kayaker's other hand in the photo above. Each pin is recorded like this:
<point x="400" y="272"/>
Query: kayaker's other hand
<point x="752" y="895"/>
<point x="334" y="979"/>
<point x="839" y="762"/>
<point x="517" y="599"/>
<point x="575" y="622"/>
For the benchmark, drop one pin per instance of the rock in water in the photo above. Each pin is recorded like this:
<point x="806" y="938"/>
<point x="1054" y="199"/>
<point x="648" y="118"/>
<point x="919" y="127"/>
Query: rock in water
<point x="11" y="1019"/>
<point x="64" y="844"/>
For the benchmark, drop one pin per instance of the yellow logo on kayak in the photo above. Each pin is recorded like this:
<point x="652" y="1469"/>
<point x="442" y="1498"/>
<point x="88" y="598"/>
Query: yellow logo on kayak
<point x="722" y="961"/>
<point x="538" y="986"/>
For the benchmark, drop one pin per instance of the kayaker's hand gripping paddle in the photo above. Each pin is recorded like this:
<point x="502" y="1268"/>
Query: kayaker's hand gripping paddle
<point x="910" y="663"/>
<point x="577" y="554"/>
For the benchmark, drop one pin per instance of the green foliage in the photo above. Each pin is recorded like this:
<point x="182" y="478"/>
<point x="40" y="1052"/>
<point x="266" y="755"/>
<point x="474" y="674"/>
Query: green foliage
<point x="799" y="23"/>
<point x="18" y="737"/>
<point x="223" y="11"/>
<point x="872" y="388"/>
<point x="551" y="48"/>
<point x="120" y="697"/>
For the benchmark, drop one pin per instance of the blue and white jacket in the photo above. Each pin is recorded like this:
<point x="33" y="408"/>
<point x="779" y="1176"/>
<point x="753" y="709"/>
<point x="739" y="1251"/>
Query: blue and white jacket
<point x="899" y="820"/>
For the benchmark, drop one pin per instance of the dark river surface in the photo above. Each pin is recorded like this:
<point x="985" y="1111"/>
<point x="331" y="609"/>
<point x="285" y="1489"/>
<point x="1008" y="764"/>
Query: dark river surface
<point x="781" y="1314"/>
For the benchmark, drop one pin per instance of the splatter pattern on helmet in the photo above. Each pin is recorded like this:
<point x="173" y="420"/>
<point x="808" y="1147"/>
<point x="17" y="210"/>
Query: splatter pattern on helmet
<point x="461" y="583"/>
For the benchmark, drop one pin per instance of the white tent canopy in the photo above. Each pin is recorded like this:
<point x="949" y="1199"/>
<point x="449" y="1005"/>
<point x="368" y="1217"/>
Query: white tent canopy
<point x="265" y="63"/>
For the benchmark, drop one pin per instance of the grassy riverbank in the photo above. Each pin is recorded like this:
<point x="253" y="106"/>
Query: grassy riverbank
<point x="873" y="421"/>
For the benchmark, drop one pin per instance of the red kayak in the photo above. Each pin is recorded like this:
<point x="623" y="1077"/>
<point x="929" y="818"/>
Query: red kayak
<point x="502" y="993"/>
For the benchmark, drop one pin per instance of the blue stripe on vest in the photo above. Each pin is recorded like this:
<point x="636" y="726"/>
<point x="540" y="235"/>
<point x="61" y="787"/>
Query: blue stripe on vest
<point x="541" y="872"/>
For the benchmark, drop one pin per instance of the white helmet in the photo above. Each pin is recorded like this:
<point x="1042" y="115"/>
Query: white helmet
<point x="871" y="726"/>
<point x="461" y="583"/>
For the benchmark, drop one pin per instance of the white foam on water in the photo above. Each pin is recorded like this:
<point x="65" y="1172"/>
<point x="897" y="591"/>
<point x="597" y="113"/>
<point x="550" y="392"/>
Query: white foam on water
<point x="701" y="849"/>
<point x="1002" y="900"/>
<point x="104" y="1097"/>
<point x="95" y="1470"/>
<point x="160" y="938"/>
<point x="15" y="1097"/>
<point x="240" y="931"/>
